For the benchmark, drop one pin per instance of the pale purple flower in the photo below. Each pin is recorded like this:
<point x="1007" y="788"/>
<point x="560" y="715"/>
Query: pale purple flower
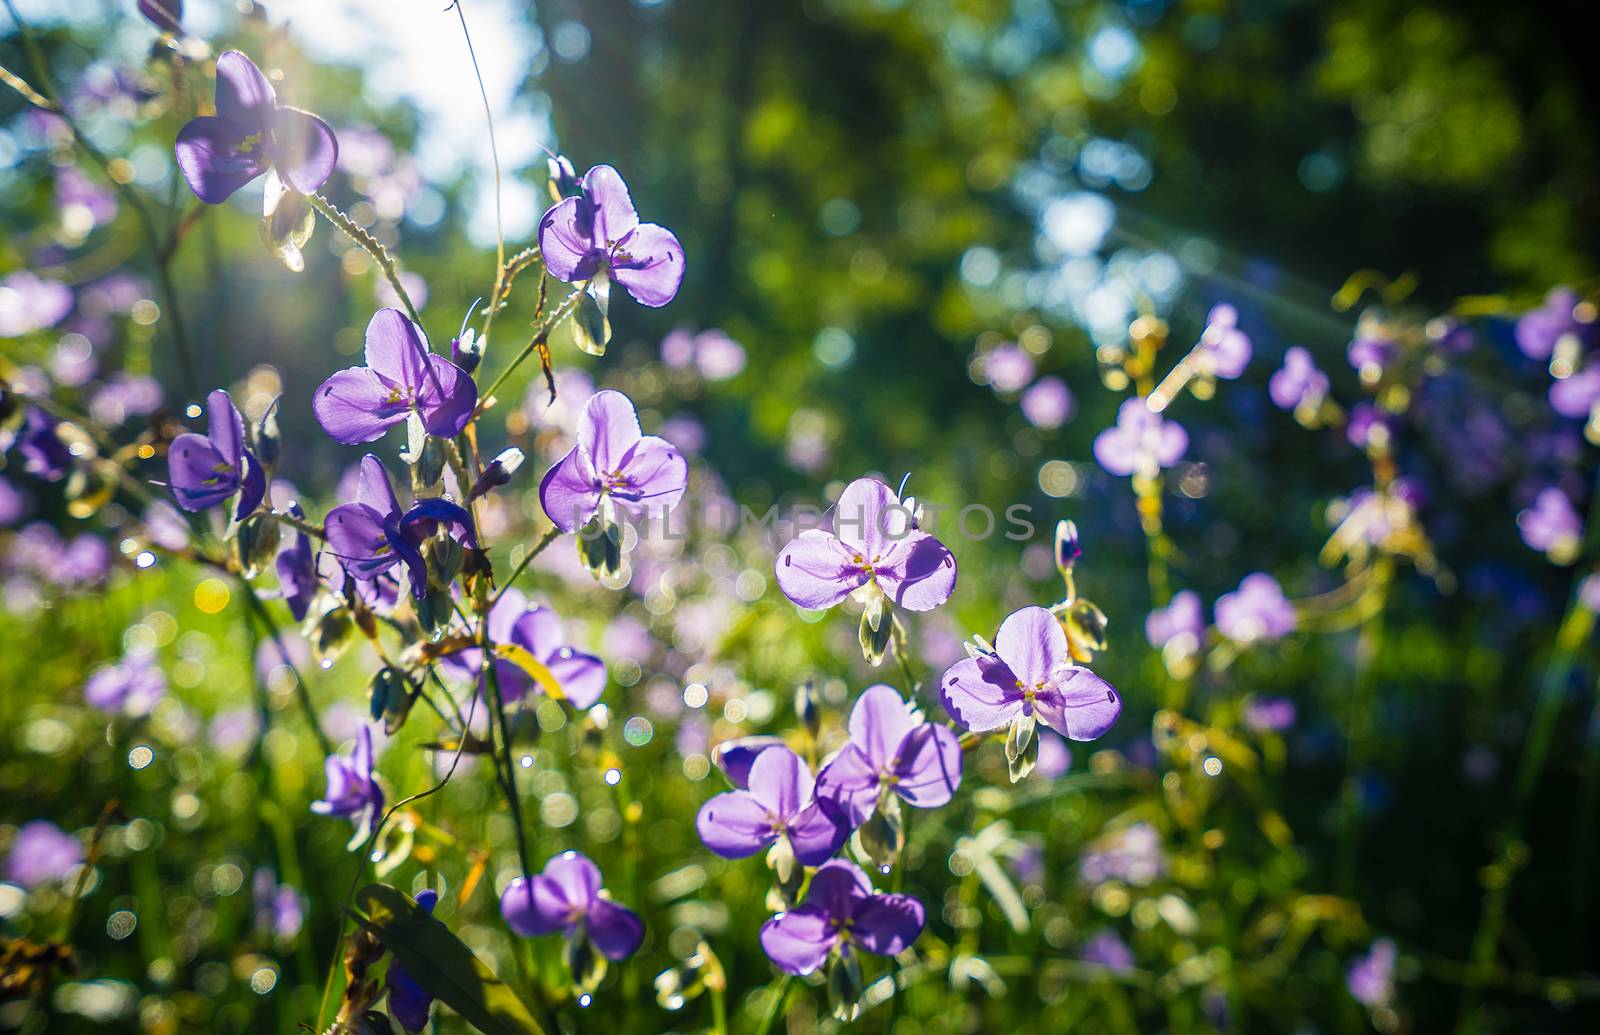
<point x="1269" y="714"/>
<point x="31" y="303"/>
<point x="891" y="749"/>
<point x="1368" y="426"/>
<point x="1576" y="396"/>
<point x="735" y="757"/>
<point x="716" y="356"/>
<point x="1141" y="442"/>
<point x="1370" y="356"/>
<point x="44" y="454"/>
<point x="875" y="542"/>
<point x="1105" y="949"/>
<point x="13" y="504"/>
<point x="1132" y="855"/>
<point x="1255" y="612"/>
<point x="1562" y="314"/>
<point x="1551" y="525"/>
<point x="353" y="790"/>
<point x="567" y="897"/>
<point x="1048" y="403"/>
<point x="841" y="912"/>
<point x="1183" y="619"/>
<point x="613" y="460"/>
<point x="205" y="470"/>
<point x="1055" y="758"/>
<point x="1007" y="368"/>
<point x="123" y="396"/>
<point x="1299" y="382"/>
<point x="536" y="629"/>
<point x="132" y="686"/>
<point x="75" y="190"/>
<point x="251" y="133"/>
<point x="402" y="376"/>
<point x="372" y="535"/>
<point x="1030" y="673"/>
<point x="1370" y="978"/>
<point x="1224" y="348"/>
<point x="780" y="802"/>
<point x="279" y="909"/>
<point x="296" y="565"/>
<point x="599" y="231"/>
<point x="42" y="852"/>
<point x="409" y="1001"/>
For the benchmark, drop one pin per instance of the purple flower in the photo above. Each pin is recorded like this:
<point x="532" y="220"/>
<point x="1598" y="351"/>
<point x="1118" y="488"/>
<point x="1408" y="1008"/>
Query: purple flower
<point x="42" y="852"/>
<point x="1576" y="396"/>
<point x="1368" y="427"/>
<point x="1107" y="950"/>
<point x="1552" y="525"/>
<point x="613" y="461"/>
<point x="1562" y="314"/>
<point x="1269" y="714"/>
<point x="1182" y="620"/>
<point x="44" y="454"/>
<point x="1141" y="443"/>
<point x="599" y="230"/>
<point x="123" y="396"/>
<point x="715" y="355"/>
<point x="279" y="910"/>
<point x="402" y="377"/>
<point x="1370" y="978"/>
<point x="83" y="197"/>
<point x="163" y="14"/>
<point x="409" y="1001"/>
<point x="297" y="570"/>
<point x="1370" y="356"/>
<point x="736" y="757"/>
<point x="841" y="911"/>
<point x="353" y="791"/>
<point x="780" y="802"/>
<point x="1132" y="855"/>
<point x="251" y="133"/>
<point x="130" y="687"/>
<point x="1006" y="367"/>
<point x="1048" y="403"/>
<point x="13" y="504"/>
<point x="1299" y="382"/>
<point x="204" y="470"/>
<point x="1224" y="348"/>
<point x="536" y="629"/>
<point x="30" y="303"/>
<point x="875" y="542"/>
<point x="371" y="535"/>
<point x="889" y="750"/>
<point x="1030" y="673"/>
<point x="567" y="897"/>
<point x="1256" y="611"/>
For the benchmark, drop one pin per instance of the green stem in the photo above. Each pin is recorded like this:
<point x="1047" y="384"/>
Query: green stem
<point x="1582" y="880"/>
<point x="541" y="336"/>
<point x="897" y="633"/>
<point x="551" y="535"/>
<point x="369" y="244"/>
<point x="779" y="992"/>
<point x="1358" y="733"/>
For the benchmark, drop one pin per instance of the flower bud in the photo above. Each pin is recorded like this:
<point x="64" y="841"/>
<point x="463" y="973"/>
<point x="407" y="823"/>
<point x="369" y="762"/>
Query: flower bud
<point x="498" y="472"/>
<point x="466" y="351"/>
<point x="268" y="437"/>
<point x="1068" y="550"/>
<point x="584" y="962"/>
<point x="564" y="182"/>
<point x="808" y="708"/>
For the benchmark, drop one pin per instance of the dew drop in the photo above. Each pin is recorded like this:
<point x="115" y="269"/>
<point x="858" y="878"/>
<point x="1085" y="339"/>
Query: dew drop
<point x="326" y="663"/>
<point x="585" y="999"/>
<point x="527" y="761"/>
<point x="885" y="870"/>
<point x="564" y="653"/>
<point x="613" y="776"/>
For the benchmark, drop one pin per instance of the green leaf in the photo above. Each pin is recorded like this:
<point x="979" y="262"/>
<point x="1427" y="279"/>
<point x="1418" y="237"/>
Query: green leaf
<point x="591" y="328"/>
<point x="442" y="964"/>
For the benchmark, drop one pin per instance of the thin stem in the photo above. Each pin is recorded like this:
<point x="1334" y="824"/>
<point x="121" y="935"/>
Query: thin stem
<point x="301" y="692"/>
<point x="1358" y="733"/>
<point x="494" y="155"/>
<point x="541" y="336"/>
<point x="1582" y="881"/>
<point x="897" y="633"/>
<point x="779" y="992"/>
<point x="369" y="244"/>
<point x="299" y="524"/>
<point x="551" y="535"/>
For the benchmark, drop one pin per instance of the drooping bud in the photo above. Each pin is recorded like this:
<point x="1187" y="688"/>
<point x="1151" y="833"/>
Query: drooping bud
<point x="808" y="708"/>
<point x="287" y="221"/>
<point x="564" y="182"/>
<point x="268" y="437"/>
<point x="876" y="625"/>
<point x="255" y="544"/>
<point x="1068" y="549"/>
<point x="390" y="696"/>
<point x="600" y="543"/>
<point x="1022" y="747"/>
<point x="466" y="351"/>
<point x="883" y="835"/>
<point x="498" y="472"/>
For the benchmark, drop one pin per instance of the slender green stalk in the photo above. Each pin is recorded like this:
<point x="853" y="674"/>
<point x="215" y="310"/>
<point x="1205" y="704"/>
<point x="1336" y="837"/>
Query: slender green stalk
<point x="369" y="244"/>
<point x="551" y="535"/>
<point x="540" y="337"/>
<point x="1358" y="733"/>
<point x="779" y="991"/>
<point x="301" y="692"/>
<point x="494" y="156"/>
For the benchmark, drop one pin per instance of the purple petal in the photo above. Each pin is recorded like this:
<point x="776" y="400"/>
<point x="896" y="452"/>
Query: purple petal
<point x="818" y="831"/>
<point x="655" y="475"/>
<point x="356" y="405"/>
<point x="879" y="721"/>
<point x="409" y="1003"/>
<point x="577" y="877"/>
<point x="1170" y="443"/>
<point x="919" y="572"/>
<point x="869" y="518"/>
<point x="816" y="570"/>
<point x="798" y="941"/>
<point x="396" y="350"/>
<point x="568" y="492"/>
<point x="649" y="265"/>
<point x="357" y="538"/>
<point x="199" y="475"/>
<point x="426" y="517"/>
<point x="226" y="426"/>
<point x="838" y="888"/>
<point x="566" y="241"/>
<point x="734" y="825"/>
<point x="373" y="488"/>
<point x="735" y="757"/>
<point x="616" y="930"/>
<point x="851" y="780"/>
<point x="929" y="770"/>
<point x="530" y="915"/>
<point x="981" y="694"/>
<point x="614" y="214"/>
<point x="244" y="96"/>
<point x="1117" y="451"/>
<point x="252" y="489"/>
<point x="447" y="398"/>
<point x="781" y="781"/>
<point x="1082" y="706"/>
<point x="887" y="924"/>
<point x="608" y="430"/>
<point x="207" y="153"/>
<point x="1032" y="644"/>
<point x="304" y="149"/>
